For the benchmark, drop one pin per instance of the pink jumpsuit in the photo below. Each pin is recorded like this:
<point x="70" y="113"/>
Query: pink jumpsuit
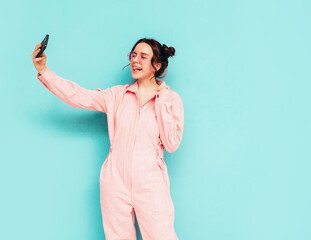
<point x="134" y="174"/>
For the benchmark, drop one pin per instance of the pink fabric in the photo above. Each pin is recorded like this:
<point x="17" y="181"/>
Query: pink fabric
<point x="134" y="175"/>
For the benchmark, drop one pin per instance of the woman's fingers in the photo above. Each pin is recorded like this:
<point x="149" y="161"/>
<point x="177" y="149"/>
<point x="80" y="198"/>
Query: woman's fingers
<point x="36" y="51"/>
<point x="32" y="54"/>
<point x="37" y="48"/>
<point x="38" y="45"/>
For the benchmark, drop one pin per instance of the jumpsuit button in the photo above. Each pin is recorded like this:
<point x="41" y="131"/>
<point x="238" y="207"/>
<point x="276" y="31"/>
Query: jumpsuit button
<point x="157" y="95"/>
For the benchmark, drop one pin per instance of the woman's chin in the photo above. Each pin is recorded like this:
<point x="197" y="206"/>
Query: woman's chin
<point x="135" y="75"/>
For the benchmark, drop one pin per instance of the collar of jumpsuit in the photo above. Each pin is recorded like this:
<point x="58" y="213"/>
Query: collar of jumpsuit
<point x="134" y="87"/>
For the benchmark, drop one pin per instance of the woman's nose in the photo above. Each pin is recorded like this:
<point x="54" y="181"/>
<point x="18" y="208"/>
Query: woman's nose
<point x="134" y="59"/>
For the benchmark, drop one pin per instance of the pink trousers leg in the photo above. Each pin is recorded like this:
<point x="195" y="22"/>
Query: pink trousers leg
<point x="117" y="211"/>
<point x="152" y="202"/>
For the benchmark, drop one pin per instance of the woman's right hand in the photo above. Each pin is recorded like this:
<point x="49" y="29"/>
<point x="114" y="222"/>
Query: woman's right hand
<point x="39" y="62"/>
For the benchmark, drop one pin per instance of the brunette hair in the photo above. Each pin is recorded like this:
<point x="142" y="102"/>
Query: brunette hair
<point x="161" y="53"/>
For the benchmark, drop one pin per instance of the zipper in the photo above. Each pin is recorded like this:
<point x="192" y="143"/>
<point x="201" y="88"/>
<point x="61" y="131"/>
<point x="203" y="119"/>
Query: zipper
<point x="135" y="133"/>
<point x="136" y="120"/>
<point x="138" y="113"/>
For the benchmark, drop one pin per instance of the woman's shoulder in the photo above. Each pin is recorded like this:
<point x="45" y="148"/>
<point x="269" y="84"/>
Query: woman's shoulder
<point x="173" y="95"/>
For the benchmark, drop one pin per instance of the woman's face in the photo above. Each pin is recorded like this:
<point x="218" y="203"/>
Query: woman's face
<point x="142" y="55"/>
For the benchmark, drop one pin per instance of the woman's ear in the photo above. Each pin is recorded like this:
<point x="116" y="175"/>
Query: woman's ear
<point x="158" y="66"/>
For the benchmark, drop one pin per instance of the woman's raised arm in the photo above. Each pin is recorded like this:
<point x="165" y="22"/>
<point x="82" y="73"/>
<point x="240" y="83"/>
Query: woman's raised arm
<point x="75" y="95"/>
<point x="70" y="92"/>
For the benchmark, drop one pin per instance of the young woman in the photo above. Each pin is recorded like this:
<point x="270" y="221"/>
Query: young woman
<point x="144" y="118"/>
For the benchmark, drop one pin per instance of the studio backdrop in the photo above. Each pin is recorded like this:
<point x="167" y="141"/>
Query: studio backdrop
<point x="242" y="70"/>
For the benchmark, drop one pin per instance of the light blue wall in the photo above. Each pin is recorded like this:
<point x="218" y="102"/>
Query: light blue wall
<point x="242" y="68"/>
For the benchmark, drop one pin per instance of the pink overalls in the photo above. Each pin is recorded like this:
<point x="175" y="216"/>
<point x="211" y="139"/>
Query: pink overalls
<point x="134" y="174"/>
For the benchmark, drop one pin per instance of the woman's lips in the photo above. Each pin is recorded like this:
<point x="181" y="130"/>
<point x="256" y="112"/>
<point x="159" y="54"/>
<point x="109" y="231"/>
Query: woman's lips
<point x="136" y="71"/>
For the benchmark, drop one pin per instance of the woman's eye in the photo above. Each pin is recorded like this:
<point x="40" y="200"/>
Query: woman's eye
<point x="144" y="57"/>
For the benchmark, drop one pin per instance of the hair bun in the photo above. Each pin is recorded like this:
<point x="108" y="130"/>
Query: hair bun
<point x="168" y="51"/>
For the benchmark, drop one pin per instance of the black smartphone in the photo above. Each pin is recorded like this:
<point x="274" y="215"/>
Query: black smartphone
<point x="44" y="43"/>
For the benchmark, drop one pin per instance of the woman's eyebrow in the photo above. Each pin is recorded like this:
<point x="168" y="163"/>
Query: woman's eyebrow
<point x="142" y="53"/>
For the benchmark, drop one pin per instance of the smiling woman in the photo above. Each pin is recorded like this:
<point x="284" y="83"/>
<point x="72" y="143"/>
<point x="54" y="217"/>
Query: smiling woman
<point x="152" y="58"/>
<point x="144" y="118"/>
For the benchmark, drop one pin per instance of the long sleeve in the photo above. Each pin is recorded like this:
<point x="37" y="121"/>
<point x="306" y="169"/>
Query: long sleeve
<point x="76" y="96"/>
<point x="170" y="117"/>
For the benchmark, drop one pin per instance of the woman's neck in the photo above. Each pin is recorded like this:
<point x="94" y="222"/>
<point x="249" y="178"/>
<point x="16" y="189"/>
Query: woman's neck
<point x="147" y="85"/>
